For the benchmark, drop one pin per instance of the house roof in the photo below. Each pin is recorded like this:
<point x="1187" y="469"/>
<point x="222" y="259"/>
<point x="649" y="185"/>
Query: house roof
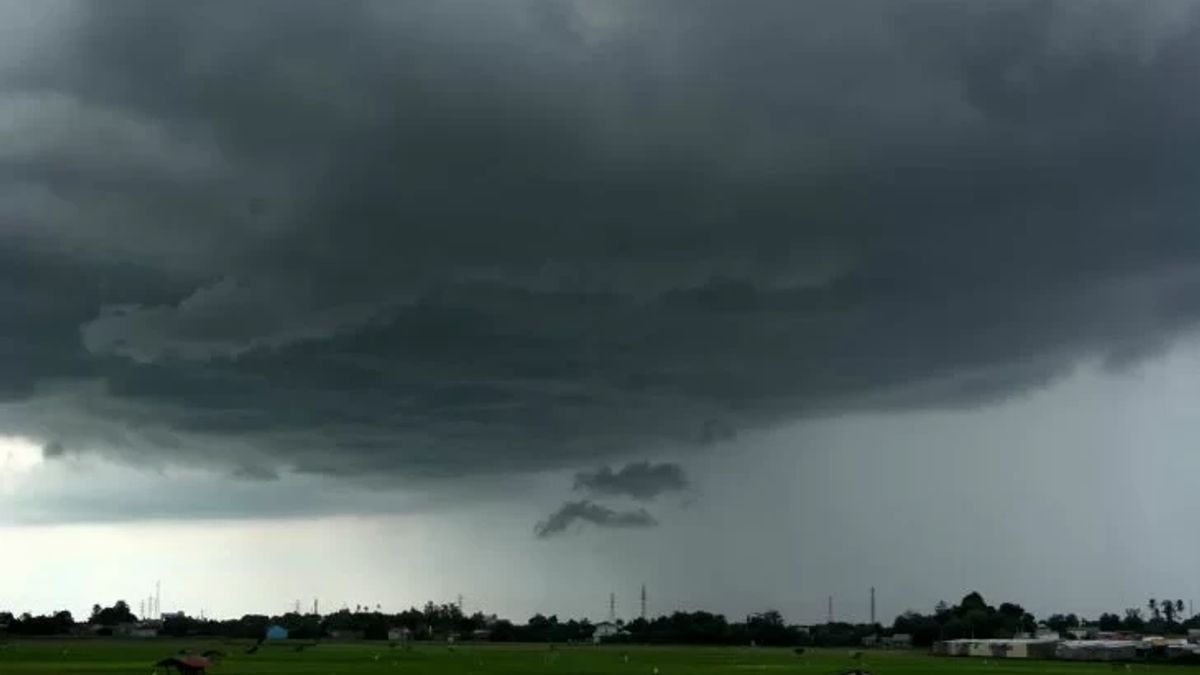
<point x="189" y="660"/>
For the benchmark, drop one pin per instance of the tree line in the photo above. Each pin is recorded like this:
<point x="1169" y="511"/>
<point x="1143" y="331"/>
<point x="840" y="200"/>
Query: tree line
<point x="972" y="617"/>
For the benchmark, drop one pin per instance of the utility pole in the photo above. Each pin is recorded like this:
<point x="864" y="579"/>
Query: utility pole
<point x="612" y="607"/>
<point x="829" y="613"/>
<point x="643" y="602"/>
<point x="157" y="599"/>
<point x="872" y="605"/>
<point x="315" y="607"/>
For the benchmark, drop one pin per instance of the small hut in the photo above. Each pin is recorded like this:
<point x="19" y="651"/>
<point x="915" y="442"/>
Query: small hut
<point x="187" y="664"/>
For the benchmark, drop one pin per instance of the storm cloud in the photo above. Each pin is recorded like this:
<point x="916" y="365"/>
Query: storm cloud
<point x="53" y="450"/>
<point x="390" y="242"/>
<point x="585" y="511"/>
<point x="639" y="480"/>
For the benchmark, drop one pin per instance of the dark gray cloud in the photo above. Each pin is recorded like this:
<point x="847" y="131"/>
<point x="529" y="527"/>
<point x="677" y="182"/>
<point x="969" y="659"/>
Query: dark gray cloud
<point x="53" y="450"/>
<point x="585" y="511"/>
<point x="382" y="240"/>
<point x="255" y="473"/>
<point x="639" y="480"/>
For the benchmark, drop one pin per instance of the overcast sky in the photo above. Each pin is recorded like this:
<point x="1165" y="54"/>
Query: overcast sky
<point x="535" y="301"/>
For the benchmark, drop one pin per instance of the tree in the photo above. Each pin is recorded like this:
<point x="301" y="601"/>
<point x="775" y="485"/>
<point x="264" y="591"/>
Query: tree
<point x="1014" y="619"/>
<point x="1153" y="605"/>
<point x="924" y="630"/>
<point x="1179" y="608"/>
<point x="1110" y="622"/>
<point x="1133" y="620"/>
<point x="111" y="616"/>
<point x="768" y="628"/>
<point x="1061" y="623"/>
<point x="1168" y="610"/>
<point x="59" y="623"/>
<point x="972" y="601"/>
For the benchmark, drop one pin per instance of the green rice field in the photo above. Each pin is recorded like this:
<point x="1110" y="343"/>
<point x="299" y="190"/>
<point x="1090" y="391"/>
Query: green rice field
<point x="138" y="658"/>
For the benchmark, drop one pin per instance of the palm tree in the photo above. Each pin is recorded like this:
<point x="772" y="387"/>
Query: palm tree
<point x="1153" y="605"/>
<point x="1168" y="609"/>
<point x="1179" y="608"/>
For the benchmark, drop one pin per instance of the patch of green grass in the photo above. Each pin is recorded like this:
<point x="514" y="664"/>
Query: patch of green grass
<point x="43" y="657"/>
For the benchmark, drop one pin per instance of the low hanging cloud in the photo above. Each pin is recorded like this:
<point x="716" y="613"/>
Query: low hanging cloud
<point x="53" y="450"/>
<point x="586" y="511"/>
<point x="253" y="472"/>
<point x="640" y="480"/>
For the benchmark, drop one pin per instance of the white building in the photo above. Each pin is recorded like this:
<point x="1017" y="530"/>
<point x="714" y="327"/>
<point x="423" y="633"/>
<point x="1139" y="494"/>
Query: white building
<point x="897" y="641"/>
<point x="135" y="630"/>
<point x="998" y="649"/>
<point x="605" y="630"/>
<point x="1098" y="650"/>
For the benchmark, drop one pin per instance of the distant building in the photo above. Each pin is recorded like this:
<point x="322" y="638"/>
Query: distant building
<point x="1099" y="650"/>
<point x="276" y="632"/>
<point x="897" y="641"/>
<point x="605" y="630"/>
<point x="79" y="629"/>
<point x="135" y="630"/>
<point x="345" y="634"/>
<point x="399" y="634"/>
<point x="998" y="649"/>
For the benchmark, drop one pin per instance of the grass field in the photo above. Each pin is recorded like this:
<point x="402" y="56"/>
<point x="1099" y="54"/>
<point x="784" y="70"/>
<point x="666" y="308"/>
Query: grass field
<point x="136" y="657"/>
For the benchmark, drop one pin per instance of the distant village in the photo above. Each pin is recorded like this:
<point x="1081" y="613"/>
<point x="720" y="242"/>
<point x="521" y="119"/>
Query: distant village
<point x="971" y="628"/>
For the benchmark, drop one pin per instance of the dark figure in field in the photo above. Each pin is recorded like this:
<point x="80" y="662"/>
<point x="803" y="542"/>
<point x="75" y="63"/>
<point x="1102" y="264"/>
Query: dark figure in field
<point x="184" y="665"/>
